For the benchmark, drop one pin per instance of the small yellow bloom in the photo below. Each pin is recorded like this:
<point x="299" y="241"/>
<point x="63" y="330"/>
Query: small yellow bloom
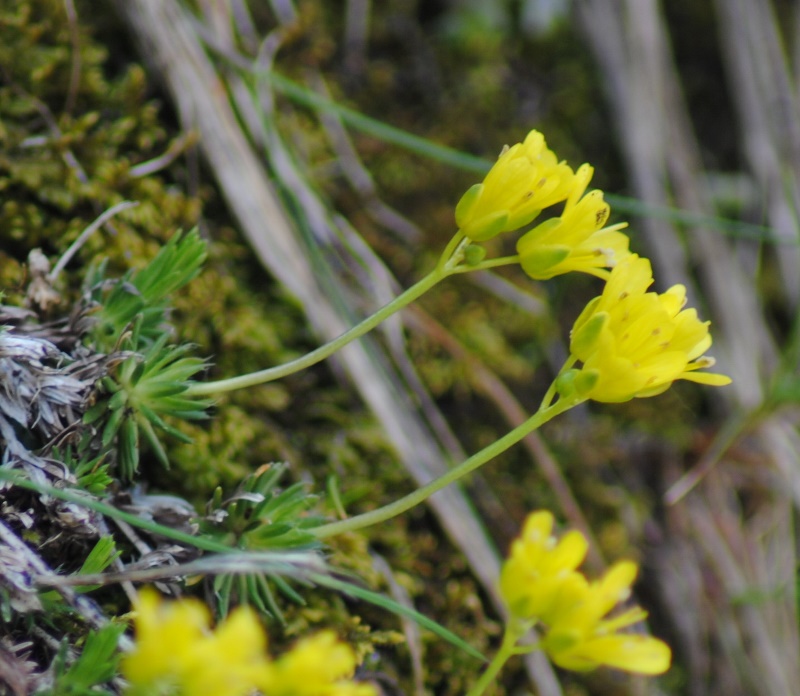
<point x="177" y="653"/>
<point x="578" y="637"/>
<point x="635" y="343"/>
<point x="540" y="584"/>
<point x="538" y="565"/>
<point x="576" y="241"/>
<point x="526" y="178"/>
<point x="316" y="666"/>
<point x="165" y="637"/>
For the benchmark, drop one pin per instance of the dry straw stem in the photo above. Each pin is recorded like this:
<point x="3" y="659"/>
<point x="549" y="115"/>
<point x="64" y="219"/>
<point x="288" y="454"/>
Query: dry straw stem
<point x="170" y="39"/>
<point x="716" y="553"/>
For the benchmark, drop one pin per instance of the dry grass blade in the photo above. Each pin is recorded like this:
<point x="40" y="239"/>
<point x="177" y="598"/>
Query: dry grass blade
<point x="759" y="637"/>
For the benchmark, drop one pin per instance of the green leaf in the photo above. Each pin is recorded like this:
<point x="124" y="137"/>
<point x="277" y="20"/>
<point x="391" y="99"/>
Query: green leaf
<point x="128" y="449"/>
<point x="99" y="659"/>
<point x="97" y="663"/>
<point x="139" y="299"/>
<point x="99" y="558"/>
<point x="155" y="443"/>
<point x="118" y="400"/>
<point x="94" y="413"/>
<point x="112" y="424"/>
<point x="178" y="262"/>
<point x="223" y="588"/>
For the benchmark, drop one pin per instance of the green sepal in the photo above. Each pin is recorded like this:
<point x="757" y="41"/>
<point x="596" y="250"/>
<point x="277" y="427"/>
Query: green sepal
<point x="467" y="200"/>
<point x="487" y="227"/>
<point x="474" y="254"/>
<point x="585" y="381"/>
<point x="539" y="261"/>
<point x="522" y="218"/>
<point x="584" y="339"/>
<point x="565" y="384"/>
<point x="559" y="641"/>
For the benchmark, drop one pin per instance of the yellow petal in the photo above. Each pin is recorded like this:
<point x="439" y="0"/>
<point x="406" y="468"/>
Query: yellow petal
<point x="631" y="653"/>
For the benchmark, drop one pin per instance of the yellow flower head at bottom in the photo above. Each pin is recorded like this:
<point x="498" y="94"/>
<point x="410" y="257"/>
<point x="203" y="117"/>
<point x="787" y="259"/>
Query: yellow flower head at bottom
<point x="635" y="343"/>
<point x="176" y="651"/>
<point x="540" y="583"/>
<point x="177" y="654"/>
<point x="316" y="666"/>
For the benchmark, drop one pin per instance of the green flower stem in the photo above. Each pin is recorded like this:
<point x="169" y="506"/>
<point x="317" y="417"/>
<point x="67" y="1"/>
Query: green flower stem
<point x="489" y="263"/>
<point x="421" y="494"/>
<point x="551" y="392"/>
<point x="450" y="255"/>
<point x="272" y="373"/>
<point x="507" y="650"/>
<point x="90" y="503"/>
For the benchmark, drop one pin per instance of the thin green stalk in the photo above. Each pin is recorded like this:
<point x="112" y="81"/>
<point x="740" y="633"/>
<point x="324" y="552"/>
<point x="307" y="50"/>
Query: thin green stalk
<point x="451" y="256"/>
<point x="421" y="494"/>
<point x="551" y="391"/>
<point x="324" y="351"/>
<point x="72" y="496"/>
<point x="507" y="650"/>
<point x="490" y="263"/>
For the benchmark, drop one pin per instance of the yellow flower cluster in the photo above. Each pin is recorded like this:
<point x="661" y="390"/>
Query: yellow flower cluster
<point x="527" y="178"/>
<point x="635" y="343"/>
<point x="632" y="343"/>
<point x="540" y="584"/>
<point x="177" y="654"/>
<point x="577" y="240"/>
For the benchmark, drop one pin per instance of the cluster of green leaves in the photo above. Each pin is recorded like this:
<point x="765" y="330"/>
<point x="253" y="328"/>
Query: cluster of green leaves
<point x="96" y="665"/>
<point x="97" y="662"/>
<point x="260" y="516"/>
<point x="142" y="296"/>
<point x="150" y="380"/>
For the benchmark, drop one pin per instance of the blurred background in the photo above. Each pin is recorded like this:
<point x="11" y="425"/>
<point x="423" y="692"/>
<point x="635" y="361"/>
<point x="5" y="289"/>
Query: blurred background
<point x="322" y="145"/>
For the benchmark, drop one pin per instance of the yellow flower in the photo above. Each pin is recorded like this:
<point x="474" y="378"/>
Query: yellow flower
<point x="526" y="178"/>
<point x="576" y="241"/>
<point x="540" y="584"/>
<point x="316" y="666"/>
<point x="538" y="566"/>
<point x="635" y="343"/>
<point x="177" y="653"/>
<point x="579" y="638"/>
<point x="166" y="635"/>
